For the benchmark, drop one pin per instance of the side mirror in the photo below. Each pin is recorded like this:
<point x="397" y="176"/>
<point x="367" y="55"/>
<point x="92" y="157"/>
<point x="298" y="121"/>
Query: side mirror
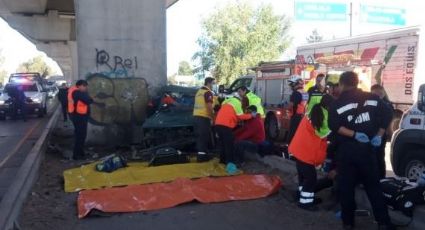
<point x="221" y="89"/>
<point x="421" y="98"/>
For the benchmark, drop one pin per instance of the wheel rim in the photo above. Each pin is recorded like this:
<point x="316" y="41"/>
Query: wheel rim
<point x="415" y="169"/>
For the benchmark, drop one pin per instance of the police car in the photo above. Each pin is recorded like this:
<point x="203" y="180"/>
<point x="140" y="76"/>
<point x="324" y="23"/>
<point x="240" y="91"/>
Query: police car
<point x="36" y="102"/>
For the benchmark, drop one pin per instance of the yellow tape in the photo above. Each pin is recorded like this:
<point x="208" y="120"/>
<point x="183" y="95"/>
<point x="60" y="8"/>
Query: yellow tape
<point x="86" y="177"/>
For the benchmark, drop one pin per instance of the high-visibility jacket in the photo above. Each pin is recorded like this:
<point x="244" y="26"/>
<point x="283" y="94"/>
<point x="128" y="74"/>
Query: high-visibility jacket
<point x="230" y="113"/>
<point x="307" y="146"/>
<point x="256" y="100"/>
<point x="78" y="107"/>
<point x="314" y="97"/>
<point x="201" y="108"/>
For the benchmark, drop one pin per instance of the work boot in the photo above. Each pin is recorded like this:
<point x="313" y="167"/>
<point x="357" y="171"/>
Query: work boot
<point x="202" y="157"/>
<point x="308" y="207"/>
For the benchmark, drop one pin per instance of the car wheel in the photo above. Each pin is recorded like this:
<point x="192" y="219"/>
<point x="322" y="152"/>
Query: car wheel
<point x="414" y="164"/>
<point x="41" y="113"/>
<point x="45" y="108"/>
<point x="272" y="128"/>
<point x="2" y="117"/>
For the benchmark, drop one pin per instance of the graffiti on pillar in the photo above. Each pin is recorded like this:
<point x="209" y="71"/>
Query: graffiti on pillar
<point x="125" y="99"/>
<point x="115" y="66"/>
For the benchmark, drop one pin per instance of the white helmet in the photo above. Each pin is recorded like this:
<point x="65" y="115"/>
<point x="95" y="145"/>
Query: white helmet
<point x="294" y="80"/>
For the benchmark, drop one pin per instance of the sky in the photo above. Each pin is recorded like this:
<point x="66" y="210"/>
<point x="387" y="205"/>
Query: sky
<point x="16" y="49"/>
<point x="184" y="27"/>
<point x="184" y="23"/>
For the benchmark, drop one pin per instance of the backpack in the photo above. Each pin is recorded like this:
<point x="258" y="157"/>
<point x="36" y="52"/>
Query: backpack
<point x="402" y="195"/>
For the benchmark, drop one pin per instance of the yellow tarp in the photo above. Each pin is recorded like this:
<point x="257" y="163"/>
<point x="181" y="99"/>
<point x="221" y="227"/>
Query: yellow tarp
<point x="86" y="177"/>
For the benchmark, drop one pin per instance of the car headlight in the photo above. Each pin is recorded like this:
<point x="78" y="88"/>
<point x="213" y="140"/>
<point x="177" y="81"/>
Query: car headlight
<point x="1" y="102"/>
<point x="36" y="100"/>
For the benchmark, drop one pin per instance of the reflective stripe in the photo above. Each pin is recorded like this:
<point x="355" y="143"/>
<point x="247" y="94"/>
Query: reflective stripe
<point x="307" y="194"/>
<point x="300" y="188"/>
<point x="306" y="201"/>
<point x="371" y="103"/>
<point x="345" y="108"/>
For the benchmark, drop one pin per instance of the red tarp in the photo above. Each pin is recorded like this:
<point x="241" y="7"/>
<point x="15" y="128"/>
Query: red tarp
<point x="135" y="198"/>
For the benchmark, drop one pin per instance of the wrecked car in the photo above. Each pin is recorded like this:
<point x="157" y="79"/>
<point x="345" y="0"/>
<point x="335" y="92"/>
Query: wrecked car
<point x="171" y="125"/>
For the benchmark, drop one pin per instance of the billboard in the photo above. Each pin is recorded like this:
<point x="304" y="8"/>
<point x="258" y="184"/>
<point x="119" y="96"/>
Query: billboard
<point x="382" y="15"/>
<point x="319" y="11"/>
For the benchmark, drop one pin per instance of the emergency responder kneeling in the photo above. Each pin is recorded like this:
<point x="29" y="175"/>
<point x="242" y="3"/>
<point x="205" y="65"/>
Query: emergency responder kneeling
<point x="79" y="110"/>
<point x="359" y="120"/>
<point x="249" y="98"/>
<point x="227" y="119"/>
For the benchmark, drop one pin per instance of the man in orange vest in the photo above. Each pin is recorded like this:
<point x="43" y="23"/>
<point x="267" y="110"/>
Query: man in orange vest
<point x="79" y="110"/>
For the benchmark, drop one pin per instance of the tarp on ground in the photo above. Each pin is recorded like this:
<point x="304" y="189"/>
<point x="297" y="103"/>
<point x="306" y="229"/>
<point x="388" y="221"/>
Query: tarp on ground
<point x="165" y="195"/>
<point x="86" y="177"/>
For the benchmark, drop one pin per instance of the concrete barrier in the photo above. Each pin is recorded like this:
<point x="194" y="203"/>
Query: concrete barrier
<point x="12" y="201"/>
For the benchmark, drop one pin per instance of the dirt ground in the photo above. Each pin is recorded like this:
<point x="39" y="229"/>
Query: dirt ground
<point x="49" y="207"/>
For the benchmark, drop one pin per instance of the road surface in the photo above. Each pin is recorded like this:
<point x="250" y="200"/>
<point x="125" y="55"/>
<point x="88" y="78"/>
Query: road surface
<point x="16" y="140"/>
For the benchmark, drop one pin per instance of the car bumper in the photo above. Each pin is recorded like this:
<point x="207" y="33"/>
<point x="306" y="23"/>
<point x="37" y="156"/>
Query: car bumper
<point x="30" y="108"/>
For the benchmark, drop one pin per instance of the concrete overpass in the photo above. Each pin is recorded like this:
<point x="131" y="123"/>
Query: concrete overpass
<point x="52" y="26"/>
<point x="122" y="40"/>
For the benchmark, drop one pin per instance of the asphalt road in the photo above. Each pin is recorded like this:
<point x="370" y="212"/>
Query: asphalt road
<point x="16" y="140"/>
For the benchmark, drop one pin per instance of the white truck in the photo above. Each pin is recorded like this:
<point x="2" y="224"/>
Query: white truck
<point x="388" y="58"/>
<point x="270" y="82"/>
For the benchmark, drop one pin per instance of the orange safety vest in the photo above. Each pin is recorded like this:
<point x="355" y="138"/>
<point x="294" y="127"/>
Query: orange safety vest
<point x="314" y="152"/>
<point x="82" y="107"/>
<point x="301" y="108"/>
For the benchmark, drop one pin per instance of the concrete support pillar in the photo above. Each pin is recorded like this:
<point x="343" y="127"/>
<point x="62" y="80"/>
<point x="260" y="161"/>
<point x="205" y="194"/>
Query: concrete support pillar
<point x="122" y="52"/>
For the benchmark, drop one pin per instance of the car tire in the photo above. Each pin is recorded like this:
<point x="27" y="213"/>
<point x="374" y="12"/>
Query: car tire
<point x="272" y="127"/>
<point x="2" y="118"/>
<point x="413" y="165"/>
<point x="45" y="109"/>
<point x="41" y="113"/>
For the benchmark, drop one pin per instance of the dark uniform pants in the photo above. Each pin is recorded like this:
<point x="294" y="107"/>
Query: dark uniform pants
<point x="357" y="164"/>
<point x="382" y="169"/>
<point x="307" y="179"/>
<point x="64" y="107"/>
<point x="227" y="141"/>
<point x="293" y="126"/>
<point x="203" y="132"/>
<point x="80" y="133"/>
<point x="244" y="146"/>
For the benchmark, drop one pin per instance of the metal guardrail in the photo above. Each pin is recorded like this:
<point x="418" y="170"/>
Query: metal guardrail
<point x="14" y="198"/>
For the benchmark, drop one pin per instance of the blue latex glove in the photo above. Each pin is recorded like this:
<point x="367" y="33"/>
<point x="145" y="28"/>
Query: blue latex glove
<point x="231" y="169"/>
<point x="254" y="114"/>
<point x="376" y="141"/>
<point x="361" y="137"/>
<point x="327" y="165"/>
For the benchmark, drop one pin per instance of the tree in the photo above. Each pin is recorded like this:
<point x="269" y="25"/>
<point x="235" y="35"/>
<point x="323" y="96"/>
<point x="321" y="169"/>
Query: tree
<point x="237" y="37"/>
<point x="37" y="65"/>
<point x="185" y="69"/>
<point x="314" y="37"/>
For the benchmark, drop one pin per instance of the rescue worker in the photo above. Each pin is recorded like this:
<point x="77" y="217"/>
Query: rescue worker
<point x="249" y="136"/>
<point x="297" y="103"/>
<point x="316" y="92"/>
<point x="203" y="113"/>
<point x="226" y="120"/>
<point x="249" y="98"/>
<point x="359" y="120"/>
<point x="63" y="100"/>
<point x="16" y="93"/>
<point x="79" y="109"/>
<point x="313" y="130"/>
<point x="381" y="93"/>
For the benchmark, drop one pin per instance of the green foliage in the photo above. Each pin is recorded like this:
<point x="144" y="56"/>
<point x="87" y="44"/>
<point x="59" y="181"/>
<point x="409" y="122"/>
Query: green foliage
<point x="237" y="37"/>
<point x="185" y="69"/>
<point x="314" y="37"/>
<point x="36" y="64"/>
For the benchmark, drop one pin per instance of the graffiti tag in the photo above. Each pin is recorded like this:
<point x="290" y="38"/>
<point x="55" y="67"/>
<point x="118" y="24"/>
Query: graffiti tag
<point x="114" y="66"/>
